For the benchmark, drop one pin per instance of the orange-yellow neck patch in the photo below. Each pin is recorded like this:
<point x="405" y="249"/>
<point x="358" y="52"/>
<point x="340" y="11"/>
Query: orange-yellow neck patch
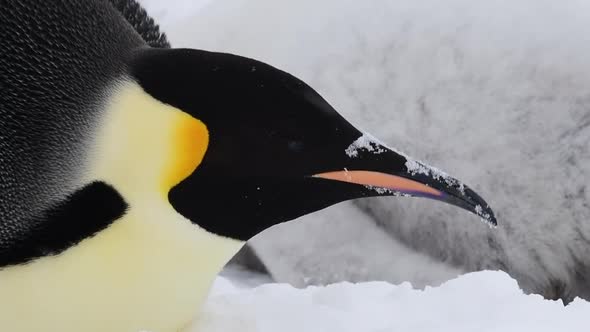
<point x="188" y="146"/>
<point x="144" y="146"/>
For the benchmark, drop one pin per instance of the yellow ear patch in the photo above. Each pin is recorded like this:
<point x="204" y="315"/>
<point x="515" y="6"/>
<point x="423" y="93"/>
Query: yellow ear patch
<point x="189" y="144"/>
<point x="145" y="146"/>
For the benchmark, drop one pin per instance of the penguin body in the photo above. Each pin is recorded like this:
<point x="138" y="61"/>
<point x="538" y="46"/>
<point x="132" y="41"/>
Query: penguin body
<point x="146" y="269"/>
<point x="59" y="63"/>
<point x="129" y="175"/>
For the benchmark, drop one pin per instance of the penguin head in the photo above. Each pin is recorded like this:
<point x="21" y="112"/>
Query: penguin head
<point x="274" y="149"/>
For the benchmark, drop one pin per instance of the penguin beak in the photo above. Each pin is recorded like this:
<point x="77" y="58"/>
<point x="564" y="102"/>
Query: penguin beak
<point x="405" y="177"/>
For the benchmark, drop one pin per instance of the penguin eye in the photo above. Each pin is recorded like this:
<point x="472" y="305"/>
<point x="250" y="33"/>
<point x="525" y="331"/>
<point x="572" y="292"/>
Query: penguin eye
<point x="293" y="139"/>
<point x="295" y="145"/>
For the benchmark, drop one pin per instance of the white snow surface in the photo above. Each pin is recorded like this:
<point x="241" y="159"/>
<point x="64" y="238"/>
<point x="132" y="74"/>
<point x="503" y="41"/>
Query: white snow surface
<point x="481" y="301"/>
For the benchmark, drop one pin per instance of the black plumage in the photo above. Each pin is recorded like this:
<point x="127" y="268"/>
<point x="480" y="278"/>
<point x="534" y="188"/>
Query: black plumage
<point x="57" y="60"/>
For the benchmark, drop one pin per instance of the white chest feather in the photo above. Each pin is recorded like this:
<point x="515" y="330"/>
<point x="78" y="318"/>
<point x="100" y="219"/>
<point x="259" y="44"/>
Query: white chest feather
<point x="147" y="271"/>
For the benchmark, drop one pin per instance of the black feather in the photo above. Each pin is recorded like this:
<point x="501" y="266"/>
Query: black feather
<point x="142" y="23"/>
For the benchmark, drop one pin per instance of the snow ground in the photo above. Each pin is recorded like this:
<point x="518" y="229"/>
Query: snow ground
<point x="482" y="301"/>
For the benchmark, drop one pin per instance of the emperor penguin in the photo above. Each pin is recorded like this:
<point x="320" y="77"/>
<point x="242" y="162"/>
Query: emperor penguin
<point x="130" y="174"/>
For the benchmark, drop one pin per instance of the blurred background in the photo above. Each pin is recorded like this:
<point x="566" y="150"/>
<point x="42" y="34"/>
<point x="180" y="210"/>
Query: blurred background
<point x="496" y="93"/>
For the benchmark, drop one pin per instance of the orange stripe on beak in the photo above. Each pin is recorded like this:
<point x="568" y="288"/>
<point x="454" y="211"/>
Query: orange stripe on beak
<point x="382" y="180"/>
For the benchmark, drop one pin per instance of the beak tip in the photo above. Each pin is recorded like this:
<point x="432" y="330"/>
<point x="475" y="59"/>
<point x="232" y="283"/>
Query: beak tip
<point x="487" y="215"/>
